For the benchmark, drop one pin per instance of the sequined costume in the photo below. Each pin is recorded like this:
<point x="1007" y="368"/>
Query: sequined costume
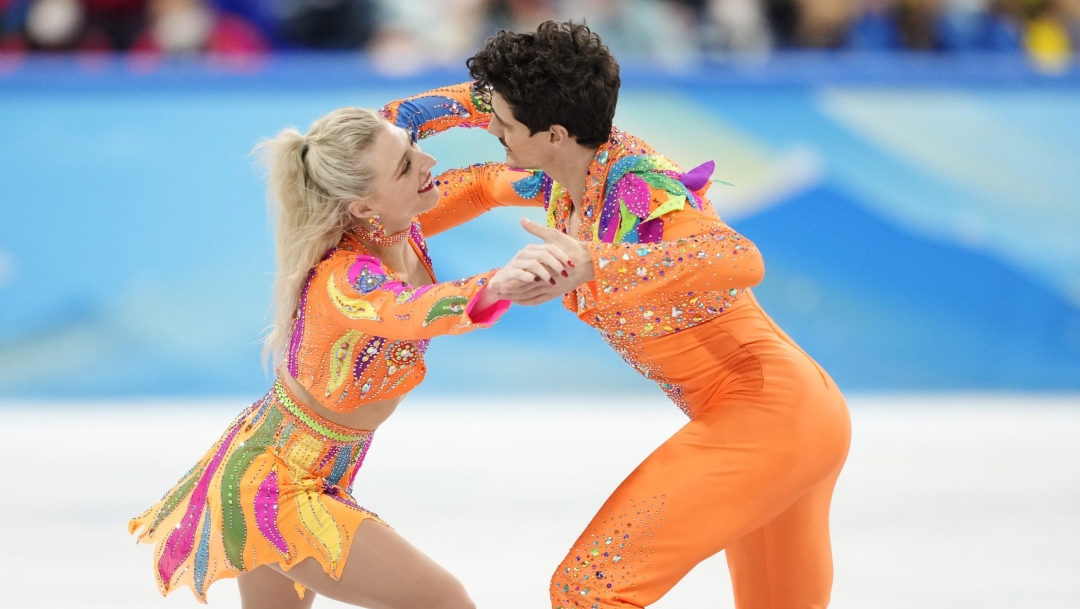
<point x="753" y="471"/>
<point x="276" y="488"/>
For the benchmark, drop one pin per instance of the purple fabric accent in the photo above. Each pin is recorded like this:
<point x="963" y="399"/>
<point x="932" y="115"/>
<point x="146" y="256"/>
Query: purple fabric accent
<point x="611" y="230"/>
<point x="330" y="454"/>
<point x="609" y="213"/>
<point x="298" y="329"/>
<point x="266" y="504"/>
<point x="372" y="264"/>
<point x="340" y="497"/>
<point x="181" y="541"/>
<point x="421" y="244"/>
<point x="698" y="177"/>
<point x="651" y="231"/>
<point x="364" y="359"/>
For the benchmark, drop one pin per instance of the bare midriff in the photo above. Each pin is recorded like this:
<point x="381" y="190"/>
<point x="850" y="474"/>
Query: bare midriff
<point x="366" y="418"/>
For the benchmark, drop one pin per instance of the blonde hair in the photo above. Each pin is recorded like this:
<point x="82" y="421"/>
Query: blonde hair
<point x="312" y="179"/>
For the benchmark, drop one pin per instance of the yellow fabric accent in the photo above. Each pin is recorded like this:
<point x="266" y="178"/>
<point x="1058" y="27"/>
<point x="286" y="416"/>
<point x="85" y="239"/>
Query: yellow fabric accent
<point x="302" y="455"/>
<point x="353" y="308"/>
<point x="341" y="359"/>
<point x="319" y="521"/>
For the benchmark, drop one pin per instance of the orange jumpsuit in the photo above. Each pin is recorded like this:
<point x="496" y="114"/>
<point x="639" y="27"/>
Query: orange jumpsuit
<point x="753" y="470"/>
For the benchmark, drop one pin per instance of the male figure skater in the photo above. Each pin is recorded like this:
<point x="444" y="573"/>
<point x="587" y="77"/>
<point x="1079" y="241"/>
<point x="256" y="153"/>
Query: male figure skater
<point x="667" y="284"/>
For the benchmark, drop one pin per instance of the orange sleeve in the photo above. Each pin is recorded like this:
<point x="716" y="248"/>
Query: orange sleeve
<point x="359" y="292"/>
<point x="471" y="191"/>
<point x="423" y="115"/>
<point x="671" y="249"/>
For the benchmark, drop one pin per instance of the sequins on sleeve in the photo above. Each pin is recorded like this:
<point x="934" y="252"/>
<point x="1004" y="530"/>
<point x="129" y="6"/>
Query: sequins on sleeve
<point x="358" y="292"/>
<point x="468" y="192"/>
<point x="423" y="115"/>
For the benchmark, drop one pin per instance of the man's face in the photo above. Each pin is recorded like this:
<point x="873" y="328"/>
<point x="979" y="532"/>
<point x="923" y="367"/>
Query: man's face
<point x="522" y="149"/>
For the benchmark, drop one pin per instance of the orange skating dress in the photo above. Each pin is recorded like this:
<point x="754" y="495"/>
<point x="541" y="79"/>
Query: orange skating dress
<point x="752" y="472"/>
<point x="277" y="486"/>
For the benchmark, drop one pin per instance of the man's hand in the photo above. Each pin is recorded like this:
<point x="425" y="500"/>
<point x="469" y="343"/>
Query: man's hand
<point x="539" y="273"/>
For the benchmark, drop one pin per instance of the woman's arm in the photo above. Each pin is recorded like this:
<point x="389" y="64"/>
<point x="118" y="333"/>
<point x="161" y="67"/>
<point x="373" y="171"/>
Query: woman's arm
<point x="360" y="293"/>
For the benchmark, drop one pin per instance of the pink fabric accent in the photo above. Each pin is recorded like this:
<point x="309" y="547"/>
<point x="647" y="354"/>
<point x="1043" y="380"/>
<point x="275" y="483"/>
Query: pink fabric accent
<point x="489" y="315"/>
<point x="370" y="263"/>
<point x="266" y="505"/>
<point x="636" y="194"/>
<point x="181" y="541"/>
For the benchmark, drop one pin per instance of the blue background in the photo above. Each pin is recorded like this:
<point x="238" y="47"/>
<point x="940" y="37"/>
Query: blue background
<point x="920" y="221"/>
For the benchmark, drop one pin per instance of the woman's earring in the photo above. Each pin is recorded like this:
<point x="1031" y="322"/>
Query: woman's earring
<point x="377" y="230"/>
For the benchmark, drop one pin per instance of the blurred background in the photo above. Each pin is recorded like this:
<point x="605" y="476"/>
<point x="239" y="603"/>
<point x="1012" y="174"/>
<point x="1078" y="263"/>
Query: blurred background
<point x="909" y="168"/>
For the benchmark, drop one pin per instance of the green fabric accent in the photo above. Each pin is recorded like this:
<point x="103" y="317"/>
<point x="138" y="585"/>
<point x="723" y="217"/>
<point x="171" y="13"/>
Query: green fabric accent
<point x="663" y="182"/>
<point x="674" y="203"/>
<point x="628" y="221"/>
<point x="451" y="306"/>
<point x="176" y="496"/>
<point x="234" y="528"/>
<point x="292" y="407"/>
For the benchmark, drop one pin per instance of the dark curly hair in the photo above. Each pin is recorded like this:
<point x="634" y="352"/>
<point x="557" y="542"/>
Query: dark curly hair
<point x="561" y="74"/>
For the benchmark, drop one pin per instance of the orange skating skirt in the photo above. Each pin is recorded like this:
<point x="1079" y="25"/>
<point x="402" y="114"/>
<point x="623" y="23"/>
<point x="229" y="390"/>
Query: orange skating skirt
<point x="274" y="489"/>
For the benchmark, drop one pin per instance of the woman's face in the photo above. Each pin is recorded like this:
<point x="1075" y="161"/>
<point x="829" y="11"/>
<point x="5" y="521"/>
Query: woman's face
<point x="403" y="186"/>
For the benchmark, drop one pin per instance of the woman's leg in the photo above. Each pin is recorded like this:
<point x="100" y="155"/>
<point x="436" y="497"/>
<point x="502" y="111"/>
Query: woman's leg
<point x="265" y="588"/>
<point x="723" y="475"/>
<point x="383" y="571"/>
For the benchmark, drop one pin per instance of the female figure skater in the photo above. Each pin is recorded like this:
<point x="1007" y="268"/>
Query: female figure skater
<point x="356" y="305"/>
<point x="667" y="285"/>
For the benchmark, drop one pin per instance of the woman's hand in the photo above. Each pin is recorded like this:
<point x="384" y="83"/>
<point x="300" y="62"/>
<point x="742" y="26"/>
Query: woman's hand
<point x="565" y="261"/>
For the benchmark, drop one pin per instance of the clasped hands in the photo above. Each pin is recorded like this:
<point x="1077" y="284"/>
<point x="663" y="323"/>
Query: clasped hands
<point x="543" y="272"/>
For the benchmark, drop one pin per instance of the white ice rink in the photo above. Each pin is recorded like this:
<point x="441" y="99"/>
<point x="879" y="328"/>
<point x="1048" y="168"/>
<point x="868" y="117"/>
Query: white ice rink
<point x="945" y="502"/>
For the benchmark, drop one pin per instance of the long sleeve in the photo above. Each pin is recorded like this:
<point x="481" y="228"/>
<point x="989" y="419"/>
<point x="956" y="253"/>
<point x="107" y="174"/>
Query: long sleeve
<point x="423" y="115"/>
<point x="471" y="191"/>
<point x="663" y="253"/>
<point x="359" y="293"/>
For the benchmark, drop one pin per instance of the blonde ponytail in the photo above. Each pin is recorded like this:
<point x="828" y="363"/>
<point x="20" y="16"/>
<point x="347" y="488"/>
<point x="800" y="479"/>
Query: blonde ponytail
<point x="312" y="179"/>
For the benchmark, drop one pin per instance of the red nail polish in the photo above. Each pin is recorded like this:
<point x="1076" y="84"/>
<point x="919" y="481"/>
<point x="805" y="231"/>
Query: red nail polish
<point x="552" y="281"/>
<point x="570" y="263"/>
<point x="565" y="274"/>
<point x="535" y="278"/>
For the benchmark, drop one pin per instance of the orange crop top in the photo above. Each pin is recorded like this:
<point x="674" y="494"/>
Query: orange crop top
<point x="360" y="333"/>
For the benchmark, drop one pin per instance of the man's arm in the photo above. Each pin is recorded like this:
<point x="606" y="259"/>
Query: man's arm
<point x="423" y="115"/>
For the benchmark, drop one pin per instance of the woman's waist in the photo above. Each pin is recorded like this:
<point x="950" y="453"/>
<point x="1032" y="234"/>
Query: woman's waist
<point x="365" y="417"/>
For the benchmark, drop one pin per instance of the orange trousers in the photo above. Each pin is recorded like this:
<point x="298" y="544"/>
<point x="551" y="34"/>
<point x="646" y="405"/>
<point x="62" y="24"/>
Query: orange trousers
<point x="752" y="473"/>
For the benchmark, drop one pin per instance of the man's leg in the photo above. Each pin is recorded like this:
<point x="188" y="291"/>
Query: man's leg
<point x="723" y="475"/>
<point x="787" y="562"/>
